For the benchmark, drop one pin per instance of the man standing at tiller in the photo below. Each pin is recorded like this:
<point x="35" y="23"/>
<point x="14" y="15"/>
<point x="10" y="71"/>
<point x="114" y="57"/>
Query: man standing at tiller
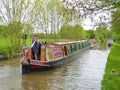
<point x="36" y="47"/>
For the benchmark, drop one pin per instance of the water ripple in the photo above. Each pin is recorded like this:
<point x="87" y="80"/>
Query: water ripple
<point x="84" y="73"/>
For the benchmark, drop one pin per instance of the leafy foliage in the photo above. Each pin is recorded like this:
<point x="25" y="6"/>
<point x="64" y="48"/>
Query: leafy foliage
<point x="14" y="34"/>
<point x="101" y="36"/>
<point x="115" y="24"/>
<point x="5" y="48"/>
<point x="90" y="34"/>
<point x="2" y="29"/>
<point x="72" y="32"/>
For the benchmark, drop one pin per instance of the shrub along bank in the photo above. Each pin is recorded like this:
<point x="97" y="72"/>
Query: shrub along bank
<point x="111" y="80"/>
<point x="7" y="50"/>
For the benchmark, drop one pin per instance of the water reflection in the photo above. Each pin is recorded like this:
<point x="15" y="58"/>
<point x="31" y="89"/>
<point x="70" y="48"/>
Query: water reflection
<point x="85" y="73"/>
<point x="10" y="78"/>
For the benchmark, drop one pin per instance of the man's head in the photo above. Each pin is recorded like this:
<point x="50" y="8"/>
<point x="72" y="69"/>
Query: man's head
<point x="36" y="36"/>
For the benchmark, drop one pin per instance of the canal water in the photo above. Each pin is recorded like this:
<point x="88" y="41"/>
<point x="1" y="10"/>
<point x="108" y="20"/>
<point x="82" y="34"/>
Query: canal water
<point x="84" y="73"/>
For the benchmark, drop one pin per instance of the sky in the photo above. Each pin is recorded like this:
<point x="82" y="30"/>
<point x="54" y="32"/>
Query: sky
<point x="92" y="23"/>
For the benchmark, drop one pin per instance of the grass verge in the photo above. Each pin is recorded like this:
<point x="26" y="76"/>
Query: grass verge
<point x="111" y="80"/>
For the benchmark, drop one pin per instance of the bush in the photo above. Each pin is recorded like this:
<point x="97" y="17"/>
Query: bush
<point x="7" y="51"/>
<point x="5" y="48"/>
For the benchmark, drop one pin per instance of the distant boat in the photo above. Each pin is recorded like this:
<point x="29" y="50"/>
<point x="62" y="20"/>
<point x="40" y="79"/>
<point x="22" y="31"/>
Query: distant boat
<point x="110" y="42"/>
<point x="52" y="55"/>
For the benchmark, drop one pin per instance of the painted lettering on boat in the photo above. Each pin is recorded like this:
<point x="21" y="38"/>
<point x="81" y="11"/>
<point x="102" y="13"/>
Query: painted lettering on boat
<point x="54" y="52"/>
<point x="57" y="52"/>
<point x="36" y="62"/>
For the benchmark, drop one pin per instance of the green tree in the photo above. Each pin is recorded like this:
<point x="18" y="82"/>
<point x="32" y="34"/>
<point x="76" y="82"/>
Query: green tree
<point x="54" y="8"/>
<point x="90" y="34"/>
<point x="64" y="31"/>
<point x="27" y="29"/>
<point x="17" y="17"/>
<point x="101" y="36"/>
<point x="14" y="35"/>
<point x="2" y="31"/>
<point x="77" y="32"/>
<point x="72" y="32"/>
<point x="115" y="24"/>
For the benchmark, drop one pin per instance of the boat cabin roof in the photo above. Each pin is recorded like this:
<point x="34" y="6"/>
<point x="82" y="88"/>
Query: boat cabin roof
<point x="68" y="42"/>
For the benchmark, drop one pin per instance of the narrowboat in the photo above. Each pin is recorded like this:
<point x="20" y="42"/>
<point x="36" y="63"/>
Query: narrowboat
<point x="110" y="42"/>
<point x="52" y="55"/>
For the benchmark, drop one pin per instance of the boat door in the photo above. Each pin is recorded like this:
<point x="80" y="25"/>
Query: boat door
<point x="65" y="51"/>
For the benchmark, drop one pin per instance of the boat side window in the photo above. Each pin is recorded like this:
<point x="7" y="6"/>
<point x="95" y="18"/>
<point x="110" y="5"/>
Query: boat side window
<point x="71" y="48"/>
<point x="79" y="46"/>
<point x="82" y="45"/>
<point x="75" y="48"/>
<point x="85" y="44"/>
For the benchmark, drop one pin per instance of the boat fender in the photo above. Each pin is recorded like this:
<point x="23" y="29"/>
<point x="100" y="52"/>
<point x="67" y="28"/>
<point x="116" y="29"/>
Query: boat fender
<point x="26" y="55"/>
<point x="30" y="52"/>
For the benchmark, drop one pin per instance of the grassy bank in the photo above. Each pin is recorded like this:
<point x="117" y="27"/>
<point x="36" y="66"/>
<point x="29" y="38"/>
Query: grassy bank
<point x="111" y="80"/>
